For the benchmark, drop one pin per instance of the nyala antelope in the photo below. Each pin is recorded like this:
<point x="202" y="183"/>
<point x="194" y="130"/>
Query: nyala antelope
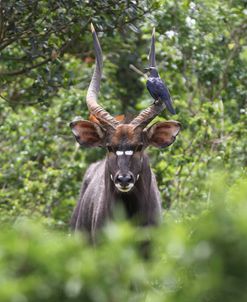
<point x="124" y="175"/>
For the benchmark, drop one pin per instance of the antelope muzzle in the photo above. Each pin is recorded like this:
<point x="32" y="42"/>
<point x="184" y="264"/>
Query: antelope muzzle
<point x="124" y="182"/>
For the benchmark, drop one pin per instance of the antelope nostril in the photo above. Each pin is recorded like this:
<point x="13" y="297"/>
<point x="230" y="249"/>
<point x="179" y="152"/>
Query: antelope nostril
<point x="125" y="179"/>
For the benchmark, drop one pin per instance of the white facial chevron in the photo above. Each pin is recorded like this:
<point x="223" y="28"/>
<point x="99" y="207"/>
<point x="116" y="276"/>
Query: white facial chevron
<point x="127" y="152"/>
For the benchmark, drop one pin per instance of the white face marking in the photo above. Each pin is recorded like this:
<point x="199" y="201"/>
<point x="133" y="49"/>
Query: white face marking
<point x="129" y="152"/>
<point x="111" y="177"/>
<point x="124" y="189"/>
<point x="119" y="153"/>
<point x="137" y="177"/>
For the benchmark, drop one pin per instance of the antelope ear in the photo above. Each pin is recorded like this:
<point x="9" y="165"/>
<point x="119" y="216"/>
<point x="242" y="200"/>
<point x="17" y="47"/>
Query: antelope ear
<point x="87" y="134"/>
<point x="163" y="134"/>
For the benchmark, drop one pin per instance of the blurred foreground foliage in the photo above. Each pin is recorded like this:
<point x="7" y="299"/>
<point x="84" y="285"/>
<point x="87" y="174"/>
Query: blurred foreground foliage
<point x="198" y="259"/>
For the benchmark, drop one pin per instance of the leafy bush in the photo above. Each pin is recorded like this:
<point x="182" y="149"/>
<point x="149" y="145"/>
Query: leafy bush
<point x="198" y="259"/>
<point x="40" y="166"/>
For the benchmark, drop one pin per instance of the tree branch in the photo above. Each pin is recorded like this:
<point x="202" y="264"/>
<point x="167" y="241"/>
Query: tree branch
<point x="26" y="69"/>
<point x="236" y="36"/>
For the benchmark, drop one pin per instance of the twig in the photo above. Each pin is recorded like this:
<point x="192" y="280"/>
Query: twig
<point x="2" y="97"/>
<point x="138" y="71"/>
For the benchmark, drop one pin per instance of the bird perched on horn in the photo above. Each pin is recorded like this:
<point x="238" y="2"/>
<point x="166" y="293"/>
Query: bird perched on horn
<point x="155" y="85"/>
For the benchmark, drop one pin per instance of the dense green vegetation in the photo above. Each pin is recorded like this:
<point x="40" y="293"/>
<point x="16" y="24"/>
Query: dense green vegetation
<point x="46" y="61"/>
<point x="199" y="258"/>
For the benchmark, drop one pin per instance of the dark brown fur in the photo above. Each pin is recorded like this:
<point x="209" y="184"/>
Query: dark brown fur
<point x="100" y="192"/>
<point x="99" y="196"/>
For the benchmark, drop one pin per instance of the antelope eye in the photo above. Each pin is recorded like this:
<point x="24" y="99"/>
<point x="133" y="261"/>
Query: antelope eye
<point x="109" y="149"/>
<point x="139" y="148"/>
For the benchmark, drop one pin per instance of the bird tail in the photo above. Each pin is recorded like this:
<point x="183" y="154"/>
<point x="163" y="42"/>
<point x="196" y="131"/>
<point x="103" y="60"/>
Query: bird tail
<point x="169" y="106"/>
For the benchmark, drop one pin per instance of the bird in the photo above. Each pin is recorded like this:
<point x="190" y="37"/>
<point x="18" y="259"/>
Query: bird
<point x="155" y="84"/>
<point x="158" y="89"/>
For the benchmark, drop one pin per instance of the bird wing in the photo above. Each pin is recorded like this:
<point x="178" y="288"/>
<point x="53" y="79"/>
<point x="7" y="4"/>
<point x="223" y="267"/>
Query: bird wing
<point x="158" y="90"/>
<point x="152" y="88"/>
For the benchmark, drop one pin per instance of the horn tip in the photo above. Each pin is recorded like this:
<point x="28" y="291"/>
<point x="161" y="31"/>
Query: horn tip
<point x="92" y="28"/>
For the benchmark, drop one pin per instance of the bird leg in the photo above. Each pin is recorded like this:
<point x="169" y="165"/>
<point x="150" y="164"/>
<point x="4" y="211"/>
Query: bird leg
<point x="158" y="102"/>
